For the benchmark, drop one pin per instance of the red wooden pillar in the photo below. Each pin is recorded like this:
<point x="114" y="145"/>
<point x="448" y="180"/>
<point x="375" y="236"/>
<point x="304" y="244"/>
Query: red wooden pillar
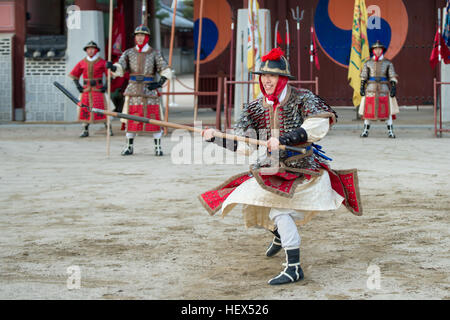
<point x="20" y="11"/>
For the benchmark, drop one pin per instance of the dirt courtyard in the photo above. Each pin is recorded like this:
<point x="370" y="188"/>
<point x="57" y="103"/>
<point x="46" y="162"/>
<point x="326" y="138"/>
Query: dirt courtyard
<point x="76" y="224"/>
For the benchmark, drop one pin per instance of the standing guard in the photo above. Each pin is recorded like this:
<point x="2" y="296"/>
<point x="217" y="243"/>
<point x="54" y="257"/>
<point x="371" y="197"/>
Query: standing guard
<point x="284" y="189"/>
<point x="92" y="68"/>
<point x="141" y="95"/>
<point x="379" y="101"/>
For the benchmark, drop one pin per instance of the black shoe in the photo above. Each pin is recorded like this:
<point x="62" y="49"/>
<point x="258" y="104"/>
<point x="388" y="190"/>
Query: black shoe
<point x="365" y="132"/>
<point x="128" y="150"/>
<point x="391" y="131"/>
<point x="293" y="272"/>
<point x="275" y="245"/>
<point x="84" y="134"/>
<point x="158" y="149"/>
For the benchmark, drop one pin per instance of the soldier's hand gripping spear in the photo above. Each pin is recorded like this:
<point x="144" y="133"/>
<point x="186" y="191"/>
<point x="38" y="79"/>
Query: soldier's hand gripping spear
<point x="217" y="134"/>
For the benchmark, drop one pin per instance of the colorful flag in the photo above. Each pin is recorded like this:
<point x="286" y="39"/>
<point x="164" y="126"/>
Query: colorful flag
<point x="446" y="30"/>
<point x="360" y="49"/>
<point x="118" y="32"/>
<point x="254" y="41"/>
<point x="313" y="49"/>
<point x="439" y="45"/>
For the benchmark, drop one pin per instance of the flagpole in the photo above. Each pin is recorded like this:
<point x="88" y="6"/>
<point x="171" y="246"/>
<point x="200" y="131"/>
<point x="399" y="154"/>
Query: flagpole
<point x="311" y="55"/>
<point x="439" y="45"/>
<point x="230" y="88"/>
<point x="172" y="36"/>
<point x="199" y="43"/>
<point x="241" y="101"/>
<point x="252" y="48"/>
<point x="439" y="75"/>
<point x="144" y="13"/>
<point x="108" y="120"/>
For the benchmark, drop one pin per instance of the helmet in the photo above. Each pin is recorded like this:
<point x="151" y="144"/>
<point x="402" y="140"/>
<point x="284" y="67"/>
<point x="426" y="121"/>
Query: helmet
<point x="91" y="44"/>
<point x="275" y="63"/>
<point x="142" y="30"/>
<point x="378" y="44"/>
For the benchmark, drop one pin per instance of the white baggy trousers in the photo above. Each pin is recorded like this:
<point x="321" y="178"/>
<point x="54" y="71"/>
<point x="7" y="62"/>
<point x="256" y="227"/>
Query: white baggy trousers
<point x="290" y="238"/>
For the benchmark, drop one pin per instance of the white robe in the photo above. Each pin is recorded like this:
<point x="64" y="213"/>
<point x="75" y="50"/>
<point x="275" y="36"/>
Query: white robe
<point x="310" y="196"/>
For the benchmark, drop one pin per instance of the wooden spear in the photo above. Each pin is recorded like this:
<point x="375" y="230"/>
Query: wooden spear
<point x="172" y="36"/>
<point x="108" y="121"/>
<point x="217" y="134"/>
<point x="197" y="73"/>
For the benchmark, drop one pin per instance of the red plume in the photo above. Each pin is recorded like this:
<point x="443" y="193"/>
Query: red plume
<point x="274" y="55"/>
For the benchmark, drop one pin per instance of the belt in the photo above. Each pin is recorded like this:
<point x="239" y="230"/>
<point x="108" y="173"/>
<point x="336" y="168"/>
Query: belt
<point x="92" y="83"/>
<point x="378" y="79"/>
<point x="317" y="149"/>
<point x="141" y="79"/>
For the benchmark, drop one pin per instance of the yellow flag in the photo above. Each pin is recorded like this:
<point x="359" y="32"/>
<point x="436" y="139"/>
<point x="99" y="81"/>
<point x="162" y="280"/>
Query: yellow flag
<point x="251" y="38"/>
<point x="254" y="41"/>
<point x="360" y="49"/>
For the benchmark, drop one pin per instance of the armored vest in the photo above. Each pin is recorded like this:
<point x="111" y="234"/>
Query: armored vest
<point x="299" y="104"/>
<point x="378" y="75"/>
<point x="143" y="67"/>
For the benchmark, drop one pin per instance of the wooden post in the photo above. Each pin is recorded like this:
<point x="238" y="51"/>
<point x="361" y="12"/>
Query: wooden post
<point x="197" y="73"/>
<point x="172" y="37"/>
<point x="20" y="9"/>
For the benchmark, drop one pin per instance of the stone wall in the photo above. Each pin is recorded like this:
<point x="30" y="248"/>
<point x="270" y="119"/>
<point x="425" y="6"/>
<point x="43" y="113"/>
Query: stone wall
<point x="43" y="101"/>
<point x="5" y="78"/>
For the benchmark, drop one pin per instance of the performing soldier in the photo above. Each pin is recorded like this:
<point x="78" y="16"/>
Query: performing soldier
<point x="92" y="68"/>
<point x="284" y="189"/>
<point x="141" y="95"/>
<point x="379" y="102"/>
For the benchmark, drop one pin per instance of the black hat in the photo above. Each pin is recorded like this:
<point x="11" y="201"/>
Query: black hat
<point x="275" y="63"/>
<point x="378" y="44"/>
<point x="142" y="30"/>
<point x="91" y="44"/>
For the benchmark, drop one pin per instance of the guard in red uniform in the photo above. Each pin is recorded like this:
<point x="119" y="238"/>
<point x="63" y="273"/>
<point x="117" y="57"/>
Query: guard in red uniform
<point x="141" y="95"/>
<point x="92" y="68"/>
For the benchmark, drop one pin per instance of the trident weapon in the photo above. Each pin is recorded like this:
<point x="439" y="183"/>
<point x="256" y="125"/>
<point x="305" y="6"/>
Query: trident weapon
<point x="297" y="17"/>
<point x="276" y="36"/>
<point x="144" y="15"/>
<point x="217" y="134"/>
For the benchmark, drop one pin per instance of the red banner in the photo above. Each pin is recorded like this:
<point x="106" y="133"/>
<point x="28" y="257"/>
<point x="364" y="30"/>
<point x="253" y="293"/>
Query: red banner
<point x="445" y="51"/>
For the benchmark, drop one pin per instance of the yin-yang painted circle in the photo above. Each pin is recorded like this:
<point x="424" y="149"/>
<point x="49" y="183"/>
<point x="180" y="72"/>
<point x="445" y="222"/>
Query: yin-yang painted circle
<point x="216" y="29"/>
<point x="333" y="23"/>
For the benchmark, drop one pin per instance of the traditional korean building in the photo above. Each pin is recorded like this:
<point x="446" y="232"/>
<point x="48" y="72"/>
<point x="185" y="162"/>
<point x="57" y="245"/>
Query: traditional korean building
<point x="42" y="40"/>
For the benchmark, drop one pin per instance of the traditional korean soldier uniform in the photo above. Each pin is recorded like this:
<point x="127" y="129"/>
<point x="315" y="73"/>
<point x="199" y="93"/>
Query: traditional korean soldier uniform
<point x="302" y="184"/>
<point x="378" y="88"/>
<point x="92" y="68"/>
<point x="141" y="95"/>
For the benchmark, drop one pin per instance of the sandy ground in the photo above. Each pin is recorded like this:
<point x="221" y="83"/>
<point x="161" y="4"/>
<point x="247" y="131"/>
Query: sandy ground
<point x="135" y="230"/>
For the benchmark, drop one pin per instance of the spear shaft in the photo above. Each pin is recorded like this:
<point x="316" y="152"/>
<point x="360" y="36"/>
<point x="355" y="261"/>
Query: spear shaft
<point x="217" y="134"/>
